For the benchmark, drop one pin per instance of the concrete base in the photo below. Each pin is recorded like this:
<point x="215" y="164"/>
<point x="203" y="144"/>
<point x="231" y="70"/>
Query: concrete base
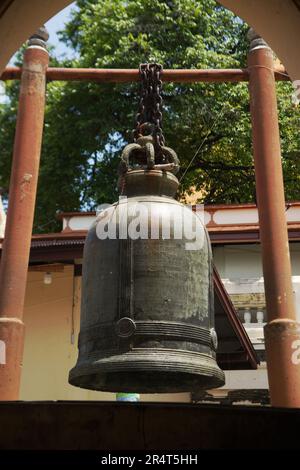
<point x="145" y="426"/>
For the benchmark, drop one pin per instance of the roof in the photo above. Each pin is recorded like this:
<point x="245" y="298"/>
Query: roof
<point x="226" y="223"/>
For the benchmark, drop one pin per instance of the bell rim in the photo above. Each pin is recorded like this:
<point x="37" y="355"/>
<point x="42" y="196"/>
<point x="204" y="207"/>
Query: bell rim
<point x="177" y="375"/>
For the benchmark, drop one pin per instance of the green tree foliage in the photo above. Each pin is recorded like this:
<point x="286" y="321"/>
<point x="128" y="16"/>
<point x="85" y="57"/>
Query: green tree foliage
<point x="208" y="125"/>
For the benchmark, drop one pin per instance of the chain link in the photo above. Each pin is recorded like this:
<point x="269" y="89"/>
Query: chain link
<point x="149" y="116"/>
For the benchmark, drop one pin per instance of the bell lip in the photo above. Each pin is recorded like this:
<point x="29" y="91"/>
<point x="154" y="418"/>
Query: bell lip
<point x="111" y="374"/>
<point x="148" y="182"/>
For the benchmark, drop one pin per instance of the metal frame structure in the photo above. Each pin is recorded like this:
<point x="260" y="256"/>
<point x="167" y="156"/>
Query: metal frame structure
<point x="282" y="330"/>
<point x="132" y="75"/>
<point x="23" y="187"/>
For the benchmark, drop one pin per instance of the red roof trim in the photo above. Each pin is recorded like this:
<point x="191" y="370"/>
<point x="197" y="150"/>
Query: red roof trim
<point x="209" y="207"/>
<point x="218" y="235"/>
<point x="234" y="319"/>
<point x="62" y="215"/>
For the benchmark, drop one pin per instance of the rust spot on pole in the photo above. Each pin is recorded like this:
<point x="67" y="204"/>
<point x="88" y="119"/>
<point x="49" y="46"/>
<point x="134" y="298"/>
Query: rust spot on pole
<point x="24" y="186"/>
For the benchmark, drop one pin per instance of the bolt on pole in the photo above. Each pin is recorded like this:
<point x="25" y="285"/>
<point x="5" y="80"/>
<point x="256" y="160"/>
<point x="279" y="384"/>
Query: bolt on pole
<point x="282" y="332"/>
<point x="22" y="195"/>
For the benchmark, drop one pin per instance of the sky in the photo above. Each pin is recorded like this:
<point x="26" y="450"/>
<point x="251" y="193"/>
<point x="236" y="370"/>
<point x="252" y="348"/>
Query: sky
<point x="56" y="24"/>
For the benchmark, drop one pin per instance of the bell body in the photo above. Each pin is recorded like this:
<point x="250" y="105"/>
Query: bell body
<point x="147" y="320"/>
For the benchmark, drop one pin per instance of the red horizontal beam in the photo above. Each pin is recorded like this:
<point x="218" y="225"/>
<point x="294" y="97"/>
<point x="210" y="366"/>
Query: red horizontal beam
<point x="132" y="75"/>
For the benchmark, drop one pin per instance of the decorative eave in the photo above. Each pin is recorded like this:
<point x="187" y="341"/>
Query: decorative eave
<point x="226" y="223"/>
<point x="248" y="354"/>
<point x="69" y="244"/>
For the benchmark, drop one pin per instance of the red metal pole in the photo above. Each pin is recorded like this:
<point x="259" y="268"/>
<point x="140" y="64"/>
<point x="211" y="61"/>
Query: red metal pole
<point x="132" y="75"/>
<point x="22" y="194"/>
<point x="282" y="332"/>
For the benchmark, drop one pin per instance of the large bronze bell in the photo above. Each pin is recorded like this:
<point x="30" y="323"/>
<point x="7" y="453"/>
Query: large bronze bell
<point x="147" y="316"/>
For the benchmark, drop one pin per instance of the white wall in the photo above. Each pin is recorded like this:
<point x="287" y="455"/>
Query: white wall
<point x="241" y="264"/>
<point x="247" y="379"/>
<point x="240" y="268"/>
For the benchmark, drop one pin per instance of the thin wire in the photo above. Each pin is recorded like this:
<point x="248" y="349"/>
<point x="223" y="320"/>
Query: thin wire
<point x="221" y="115"/>
<point x="47" y="223"/>
<point x="269" y="68"/>
<point x="203" y="142"/>
<point x="282" y="73"/>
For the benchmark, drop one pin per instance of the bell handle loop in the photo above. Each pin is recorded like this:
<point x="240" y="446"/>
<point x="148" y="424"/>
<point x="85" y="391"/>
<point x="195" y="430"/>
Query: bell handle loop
<point x="148" y="147"/>
<point x="173" y="161"/>
<point x="150" y="154"/>
<point x="172" y="158"/>
<point x="126" y="154"/>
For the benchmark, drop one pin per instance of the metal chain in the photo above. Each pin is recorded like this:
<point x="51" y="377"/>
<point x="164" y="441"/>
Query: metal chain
<point x="149" y="116"/>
